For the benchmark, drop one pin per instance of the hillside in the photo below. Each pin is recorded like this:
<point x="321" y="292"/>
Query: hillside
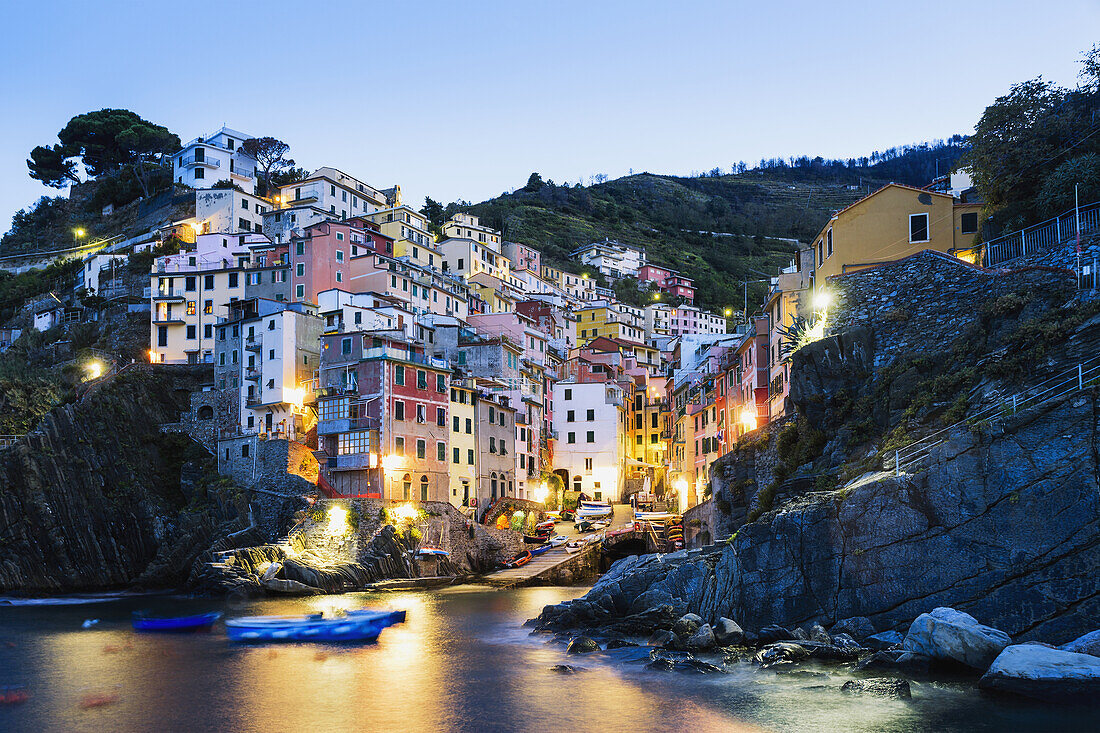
<point x="715" y="228"/>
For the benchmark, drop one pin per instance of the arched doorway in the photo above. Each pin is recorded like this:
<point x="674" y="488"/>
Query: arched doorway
<point x="423" y="488"/>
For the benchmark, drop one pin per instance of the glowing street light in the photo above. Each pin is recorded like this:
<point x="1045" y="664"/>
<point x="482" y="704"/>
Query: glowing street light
<point x="728" y="312"/>
<point x="822" y="299"/>
<point x="79" y="233"/>
<point x="94" y="369"/>
<point x="337" y="521"/>
<point x="748" y="419"/>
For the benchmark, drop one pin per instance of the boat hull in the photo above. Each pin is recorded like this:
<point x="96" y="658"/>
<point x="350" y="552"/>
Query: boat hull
<point x="180" y="624"/>
<point x="356" y="626"/>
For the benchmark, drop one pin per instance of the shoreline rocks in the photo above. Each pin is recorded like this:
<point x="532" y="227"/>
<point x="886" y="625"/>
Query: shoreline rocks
<point x="1042" y="673"/>
<point x="953" y="636"/>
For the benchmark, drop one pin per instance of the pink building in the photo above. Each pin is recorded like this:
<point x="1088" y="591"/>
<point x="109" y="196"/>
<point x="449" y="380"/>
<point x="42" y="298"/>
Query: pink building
<point x="752" y="356"/>
<point x="669" y="281"/>
<point x="320" y="259"/>
<point x="522" y="257"/>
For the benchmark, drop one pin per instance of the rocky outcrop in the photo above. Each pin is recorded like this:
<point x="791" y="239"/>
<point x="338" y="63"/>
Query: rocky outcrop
<point x="1003" y="525"/>
<point x="92" y="498"/>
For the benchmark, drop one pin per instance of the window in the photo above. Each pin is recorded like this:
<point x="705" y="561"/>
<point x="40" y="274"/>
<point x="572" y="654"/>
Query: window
<point x="399" y="375"/>
<point x="441" y="417"/>
<point x="570" y="437"/>
<point x="568" y="394"/>
<point x="653" y="439"/>
<point x="456" y="423"/>
<point x="470" y="456"/>
<point x="590" y="437"/>
<point x="345" y="346"/>
<point x="492" y="444"/>
<point x="440" y="383"/>
<point x="191" y="332"/>
<point x="300" y="248"/>
<point x="829" y="243"/>
<point x="569" y="416"/>
<point x="300" y="269"/>
<point x="456" y="454"/>
<point x="208" y="307"/>
<point x="233" y="279"/>
<point x="300" y="291"/>
<point x="590" y="416"/>
<point x="340" y="253"/>
<point x="398" y="410"/>
<point x="588" y="465"/>
<point x="492" y="415"/>
<point x="399" y="446"/>
<point x="333" y="409"/>
<point x="199" y="175"/>
<point x="355" y="442"/>
<point x="469" y="426"/>
<point x="968" y="223"/>
<point x="441" y="451"/>
<point x="423" y="488"/>
<point x="421" y="379"/>
<point x="918" y="228"/>
<point x="190" y="307"/>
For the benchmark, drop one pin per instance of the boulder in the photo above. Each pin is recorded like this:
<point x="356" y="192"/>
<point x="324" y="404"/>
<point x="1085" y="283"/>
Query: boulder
<point x="858" y="627"/>
<point x="819" y="650"/>
<point x="879" y="687"/>
<point x="800" y="634"/>
<point x="698" y="666"/>
<point x="619" y="644"/>
<point x="1046" y="674"/>
<point x="780" y="653"/>
<point x="818" y="633"/>
<point x="774" y="633"/>
<point x="884" y="640"/>
<point x="954" y="636"/>
<point x="566" y="669"/>
<point x="896" y="660"/>
<point x="582" y="645"/>
<point x="727" y="632"/>
<point x="651" y="598"/>
<point x="703" y="638"/>
<point x="1087" y="644"/>
<point x="661" y="638"/>
<point x="687" y="625"/>
<point x="846" y="642"/>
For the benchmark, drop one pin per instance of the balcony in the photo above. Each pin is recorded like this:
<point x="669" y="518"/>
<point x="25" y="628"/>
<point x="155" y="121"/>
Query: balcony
<point x="190" y="162"/>
<point x="243" y="174"/>
<point x="253" y="343"/>
<point x="167" y="293"/>
<point x="252" y="400"/>
<point x="252" y="374"/>
<point x="162" y="319"/>
<point x="306" y="197"/>
<point x="349" y="462"/>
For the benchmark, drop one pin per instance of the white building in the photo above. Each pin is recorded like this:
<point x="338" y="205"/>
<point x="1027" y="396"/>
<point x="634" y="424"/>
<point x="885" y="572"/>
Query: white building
<point x="613" y="259"/>
<point x="688" y="319"/>
<point x="96" y="266"/>
<point x="334" y="192"/>
<point x="206" y="160"/>
<point x="226" y="211"/>
<point x="590" y="424"/>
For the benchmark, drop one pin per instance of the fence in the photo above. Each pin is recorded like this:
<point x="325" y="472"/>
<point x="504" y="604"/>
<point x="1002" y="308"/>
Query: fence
<point x="1085" y="374"/>
<point x="1042" y="236"/>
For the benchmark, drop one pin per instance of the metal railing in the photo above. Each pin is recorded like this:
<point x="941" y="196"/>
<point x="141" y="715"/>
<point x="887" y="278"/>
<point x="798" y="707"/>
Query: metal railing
<point x="1042" y="236"/>
<point x="208" y="162"/>
<point x="1083" y="375"/>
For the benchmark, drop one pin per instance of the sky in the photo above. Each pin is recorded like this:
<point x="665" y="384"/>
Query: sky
<point x="463" y="100"/>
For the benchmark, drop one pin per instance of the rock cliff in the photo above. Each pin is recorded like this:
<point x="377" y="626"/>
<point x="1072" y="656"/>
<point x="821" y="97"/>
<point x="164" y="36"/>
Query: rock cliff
<point x="93" y="496"/>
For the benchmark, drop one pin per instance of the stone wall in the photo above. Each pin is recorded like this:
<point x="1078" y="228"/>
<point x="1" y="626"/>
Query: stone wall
<point x="699" y="525"/>
<point x="925" y="302"/>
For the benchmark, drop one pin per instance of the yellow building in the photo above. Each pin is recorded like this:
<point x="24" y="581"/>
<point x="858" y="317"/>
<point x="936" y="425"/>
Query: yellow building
<point x="409" y="231"/>
<point x="614" y="320"/>
<point x="894" y="222"/>
<point x="463" y="441"/>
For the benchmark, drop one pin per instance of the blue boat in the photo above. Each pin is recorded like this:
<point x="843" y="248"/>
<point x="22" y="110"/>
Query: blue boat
<point x="199" y="622"/>
<point x="362" y="625"/>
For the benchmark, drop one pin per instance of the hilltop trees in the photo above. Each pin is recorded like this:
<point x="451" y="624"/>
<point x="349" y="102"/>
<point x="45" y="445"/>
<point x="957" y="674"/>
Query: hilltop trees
<point x="270" y="154"/>
<point x="104" y="142"/>
<point x="1031" y="145"/>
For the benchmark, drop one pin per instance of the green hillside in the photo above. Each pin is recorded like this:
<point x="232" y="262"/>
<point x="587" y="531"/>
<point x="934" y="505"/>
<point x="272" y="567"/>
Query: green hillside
<point x="715" y="228"/>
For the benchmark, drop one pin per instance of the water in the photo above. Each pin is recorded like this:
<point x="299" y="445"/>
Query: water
<point x="461" y="663"/>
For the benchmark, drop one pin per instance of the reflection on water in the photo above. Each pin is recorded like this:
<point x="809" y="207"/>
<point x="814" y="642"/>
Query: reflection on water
<point x="462" y="662"/>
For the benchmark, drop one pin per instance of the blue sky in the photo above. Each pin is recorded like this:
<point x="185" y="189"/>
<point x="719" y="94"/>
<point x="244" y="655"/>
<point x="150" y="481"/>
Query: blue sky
<point x="465" y="99"/>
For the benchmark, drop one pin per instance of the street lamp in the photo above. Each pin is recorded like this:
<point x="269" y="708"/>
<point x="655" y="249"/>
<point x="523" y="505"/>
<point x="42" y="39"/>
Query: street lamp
<point x="79" y="233"/>
<point x="728" y="312"/>
<point x="94" y="369"/>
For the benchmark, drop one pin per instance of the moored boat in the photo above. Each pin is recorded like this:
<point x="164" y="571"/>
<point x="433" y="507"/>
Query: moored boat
<point x="536" y="539"/>
<point x="198" y="622"/>
<point x="432" y="551"/>
<point x="360" y="625"/>
<point x="519" y="560"/>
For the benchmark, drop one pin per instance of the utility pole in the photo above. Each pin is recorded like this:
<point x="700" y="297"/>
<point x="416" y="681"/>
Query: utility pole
<point x="1077" y="226"/>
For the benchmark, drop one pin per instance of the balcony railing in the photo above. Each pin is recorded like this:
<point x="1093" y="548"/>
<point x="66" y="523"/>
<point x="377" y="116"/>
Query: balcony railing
<point x="251" y="374"/>
<point x="167" y="293"/>
<point x="242" y="173"/>
<point x="190" y="161"/>
<point x="253" y="343"/>
<point x="252" y="399"/>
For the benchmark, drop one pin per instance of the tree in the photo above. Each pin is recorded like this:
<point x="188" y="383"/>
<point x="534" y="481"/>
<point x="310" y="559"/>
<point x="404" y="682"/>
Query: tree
<point x="49" y="165"/>
<point x="432" y="210"/>
<point x="270" y="154"/>
<point x="1080" y="175"/>
<point x="106" y="141"/>
<point x="534" y="183"/>
<point x="288" y="176"/>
